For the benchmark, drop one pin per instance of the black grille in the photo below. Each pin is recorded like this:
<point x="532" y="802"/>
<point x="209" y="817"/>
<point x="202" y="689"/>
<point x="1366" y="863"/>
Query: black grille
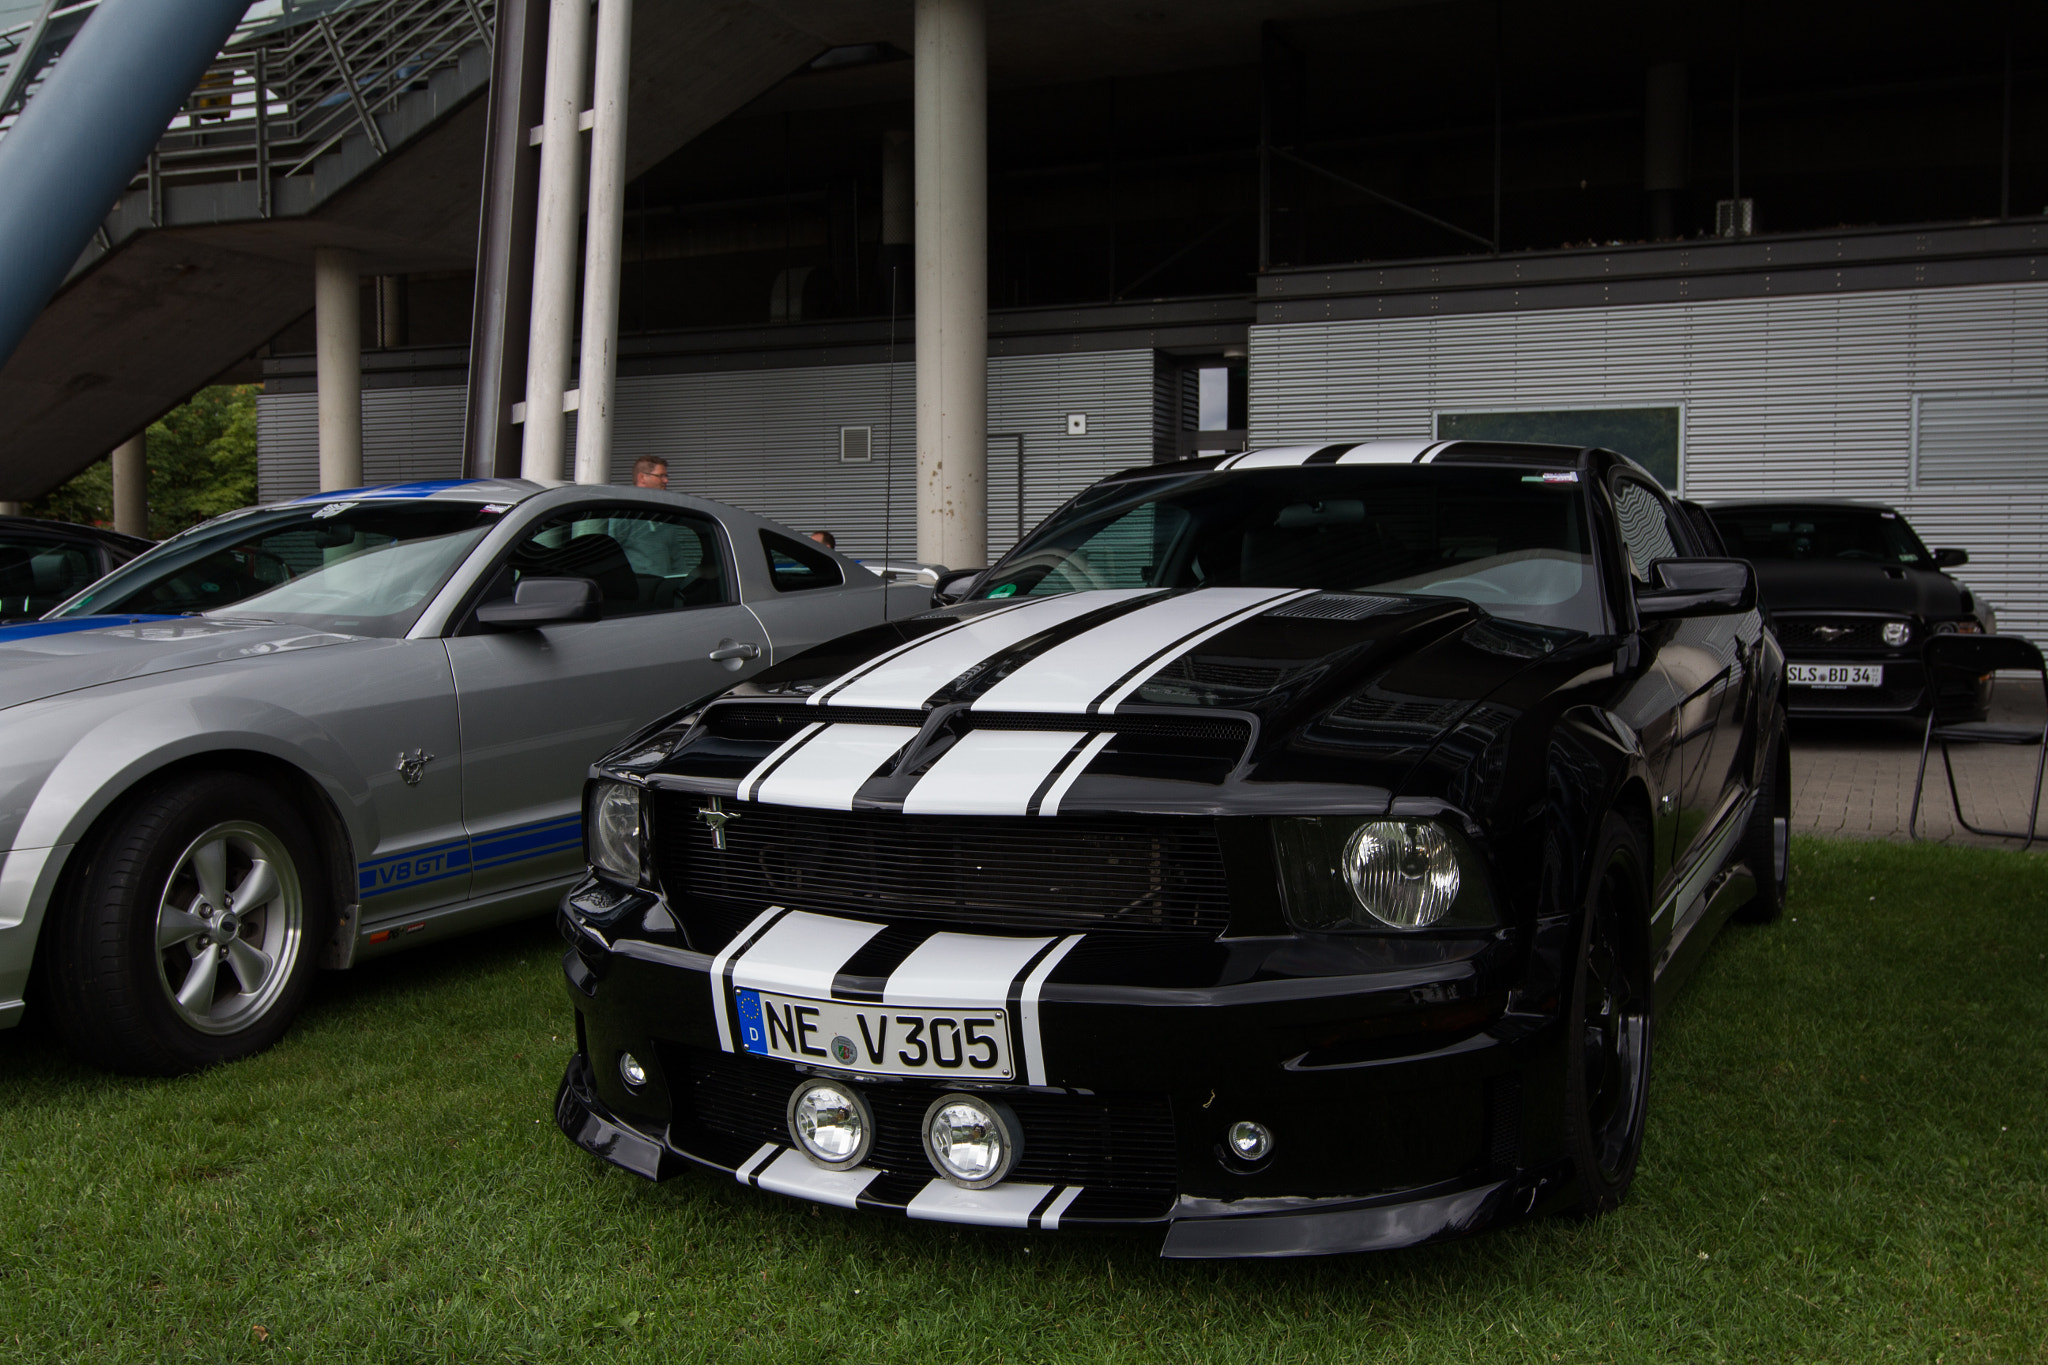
<point x="1832" y="635"/>
<point x="1117" y="872"/>
<point x="1123" y="1142"/>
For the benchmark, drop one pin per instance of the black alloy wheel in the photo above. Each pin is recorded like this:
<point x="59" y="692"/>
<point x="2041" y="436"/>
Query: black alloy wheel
<point x="1607" y="1064"/>
<point x="190" y="930"/>
<point x="1767" y="841"/>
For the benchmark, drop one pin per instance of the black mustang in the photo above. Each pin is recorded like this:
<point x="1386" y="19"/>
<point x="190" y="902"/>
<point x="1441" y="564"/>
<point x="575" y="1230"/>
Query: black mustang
<point x="1854" y="595"/>
<point x="1289" y="849"/>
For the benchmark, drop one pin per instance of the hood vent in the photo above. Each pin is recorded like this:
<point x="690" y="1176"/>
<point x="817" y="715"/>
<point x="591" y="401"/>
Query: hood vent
<point x="1339" y="606"/>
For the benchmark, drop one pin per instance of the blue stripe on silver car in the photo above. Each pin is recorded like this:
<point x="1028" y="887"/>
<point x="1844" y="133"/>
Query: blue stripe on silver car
<point x="457" y="857"/>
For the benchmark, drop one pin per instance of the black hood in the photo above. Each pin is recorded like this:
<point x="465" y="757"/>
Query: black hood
<point x="1840" y="585"/>
<point x="1278" y="699"/>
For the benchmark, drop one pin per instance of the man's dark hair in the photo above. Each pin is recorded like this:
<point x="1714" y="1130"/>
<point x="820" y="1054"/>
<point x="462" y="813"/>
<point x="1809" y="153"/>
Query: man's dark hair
<point x="647" y="464"/>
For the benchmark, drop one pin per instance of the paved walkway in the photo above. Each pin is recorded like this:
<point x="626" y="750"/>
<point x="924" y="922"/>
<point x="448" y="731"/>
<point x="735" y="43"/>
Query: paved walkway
<point x="1854" y="779"/>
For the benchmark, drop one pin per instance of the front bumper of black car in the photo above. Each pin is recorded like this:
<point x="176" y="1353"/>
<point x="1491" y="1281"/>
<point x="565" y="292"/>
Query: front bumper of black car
<point x="1902" y="691"/>
<point x="1406" y="1098"/>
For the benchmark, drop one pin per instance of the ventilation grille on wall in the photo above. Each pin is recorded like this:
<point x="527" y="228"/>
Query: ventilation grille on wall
<point x="1994" y="436"/>
<point x="854" y="444"/>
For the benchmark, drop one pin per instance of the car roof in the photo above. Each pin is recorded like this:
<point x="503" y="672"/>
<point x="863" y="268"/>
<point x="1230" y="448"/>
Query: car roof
<point x="1840" y="504"/>
<point x="1365" y="451"/>
<point x="72" y="530"/>
<point x="440" y="490"/>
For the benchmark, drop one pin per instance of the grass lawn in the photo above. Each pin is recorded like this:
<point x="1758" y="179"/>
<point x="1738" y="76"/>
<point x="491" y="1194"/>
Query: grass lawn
<point x="1847" y="1161"/>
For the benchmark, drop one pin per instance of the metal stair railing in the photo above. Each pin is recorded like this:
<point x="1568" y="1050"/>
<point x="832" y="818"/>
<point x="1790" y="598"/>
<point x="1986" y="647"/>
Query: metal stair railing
<point x="287" y="90"/>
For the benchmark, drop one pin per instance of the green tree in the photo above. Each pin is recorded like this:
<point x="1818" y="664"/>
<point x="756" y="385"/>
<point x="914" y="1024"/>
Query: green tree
<point x="202" y="462"/>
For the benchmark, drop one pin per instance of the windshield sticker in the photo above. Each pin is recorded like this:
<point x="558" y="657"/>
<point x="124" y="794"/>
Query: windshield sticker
<point x="491" y="509"/>
<point x="1565" y="476"/>
<point x="332" y="509"/>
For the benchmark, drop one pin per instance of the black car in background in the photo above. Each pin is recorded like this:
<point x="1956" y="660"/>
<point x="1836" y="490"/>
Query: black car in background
<point x="1854" y="595"/>
<point x="44" y="562"/>
<point x="1288" y="852"/>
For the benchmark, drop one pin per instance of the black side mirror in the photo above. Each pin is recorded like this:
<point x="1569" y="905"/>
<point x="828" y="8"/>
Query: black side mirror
<point x="1950" y="557"/>
<point x="1697" y="587"/>
<point x="545" y="602"/>
<point x="953" y="586"/>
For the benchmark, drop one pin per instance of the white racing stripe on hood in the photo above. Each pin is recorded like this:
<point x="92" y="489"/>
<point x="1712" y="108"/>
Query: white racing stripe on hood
<point x="905" y="679"/>
<point x="1138" y="676"/>
<point x="1057" y="792"/>
<point x="992" y="772"/>
<point x="1391" y="452"/>
<point x="1074" y="676"/>
<point x="827" y="767"/>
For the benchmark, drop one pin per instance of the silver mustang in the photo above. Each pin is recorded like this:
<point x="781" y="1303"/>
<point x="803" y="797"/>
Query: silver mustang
<point x="307" y="734"/>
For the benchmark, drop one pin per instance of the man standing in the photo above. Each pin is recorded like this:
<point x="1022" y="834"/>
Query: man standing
<point x="649" y="545"/>
<point x="650" y="471"/>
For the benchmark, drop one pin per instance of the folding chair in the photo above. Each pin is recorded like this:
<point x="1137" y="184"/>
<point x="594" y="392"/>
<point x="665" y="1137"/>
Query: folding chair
<point x="1974" y="656"/>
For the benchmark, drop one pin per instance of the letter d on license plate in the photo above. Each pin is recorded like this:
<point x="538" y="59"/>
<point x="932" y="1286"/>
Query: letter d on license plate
<point x="972" y="1043"/>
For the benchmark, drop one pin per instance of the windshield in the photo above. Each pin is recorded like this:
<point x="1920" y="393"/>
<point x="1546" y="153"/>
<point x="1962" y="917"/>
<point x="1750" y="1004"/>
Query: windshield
<point x="355" y="568"/>
<point x="1871" y="535"/>
<point x="1512" y="541"/>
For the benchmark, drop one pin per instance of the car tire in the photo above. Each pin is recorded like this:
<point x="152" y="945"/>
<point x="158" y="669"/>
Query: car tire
<point x="1610" y="1025"/>
<point x="1767" y="843"/>
<point x="153" y="966"/>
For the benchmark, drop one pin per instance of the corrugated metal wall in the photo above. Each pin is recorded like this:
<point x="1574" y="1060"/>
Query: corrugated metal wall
<point x="1805" y="396"/>
<point x="768" y="440"/>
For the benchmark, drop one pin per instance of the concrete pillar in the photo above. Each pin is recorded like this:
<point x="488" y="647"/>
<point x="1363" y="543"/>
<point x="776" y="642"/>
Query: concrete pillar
<point x="131" y="486"/>
<point x="1664" y="139"/>
<point x="338" y="362"/>
<point x="392" y="323"/>
<point x="599" y="369"/>
<point x="951" y="121"/>
<point x="558" y="223"/>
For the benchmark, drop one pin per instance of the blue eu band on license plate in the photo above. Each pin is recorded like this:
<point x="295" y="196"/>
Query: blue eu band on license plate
<point x="885" y="1039"/>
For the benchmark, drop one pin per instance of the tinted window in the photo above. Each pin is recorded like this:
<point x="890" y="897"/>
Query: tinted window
<point x="1510" y="540"/>
<point x="794" y="566"/>
<point x="1645" y="532"/>
<point x="36" y="575"/>
<point x="357" y="568"/>
<point x="1869" y="534"/>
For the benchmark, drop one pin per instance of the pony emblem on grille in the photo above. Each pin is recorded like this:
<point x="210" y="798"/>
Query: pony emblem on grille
<point x="716" y="818"/>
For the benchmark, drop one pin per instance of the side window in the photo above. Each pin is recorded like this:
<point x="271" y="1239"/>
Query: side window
<point x="35" y="576"/>
<point x="796" y="567"/>
<point x="641" y="560"/>
<point x="1645" y="530"/>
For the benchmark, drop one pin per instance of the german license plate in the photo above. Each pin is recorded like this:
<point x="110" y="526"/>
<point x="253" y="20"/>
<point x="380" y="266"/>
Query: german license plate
<point x="1836" y="675"/>
<point x="877" y="1038"/>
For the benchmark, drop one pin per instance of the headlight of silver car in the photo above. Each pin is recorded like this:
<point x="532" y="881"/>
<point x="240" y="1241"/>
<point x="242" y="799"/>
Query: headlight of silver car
<point x="612" y="831"/>
<point x="1343" y="872"/>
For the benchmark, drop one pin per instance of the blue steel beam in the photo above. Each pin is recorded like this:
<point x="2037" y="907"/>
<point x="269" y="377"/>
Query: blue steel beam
<point x="79" y="141"/>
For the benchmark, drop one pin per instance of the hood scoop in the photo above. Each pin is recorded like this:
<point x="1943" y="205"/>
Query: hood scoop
<point x="1339" y="606"/>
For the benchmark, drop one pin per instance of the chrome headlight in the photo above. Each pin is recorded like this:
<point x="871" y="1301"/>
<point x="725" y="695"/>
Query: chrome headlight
<point x="612" y="831"/>
<point x="1348" y="873"/>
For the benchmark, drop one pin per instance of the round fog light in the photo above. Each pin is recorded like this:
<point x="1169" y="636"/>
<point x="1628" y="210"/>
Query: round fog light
<point x="1250" y="1141"/>
<point x="630" y="1070"/>
<point x="971" y="1141"/>
<point x="830" y="1122"/>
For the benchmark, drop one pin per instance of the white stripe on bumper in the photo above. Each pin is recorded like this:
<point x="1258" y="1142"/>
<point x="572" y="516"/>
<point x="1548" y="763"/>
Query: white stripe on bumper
<point x="793" y="1173"/>
<point x="801" y="954"/>
<point x="960" y="970"/>
<point x="999" y="1206"/>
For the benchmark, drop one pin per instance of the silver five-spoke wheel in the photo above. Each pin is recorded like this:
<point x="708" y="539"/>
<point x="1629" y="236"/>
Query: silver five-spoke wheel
<point x="229" y="927"/>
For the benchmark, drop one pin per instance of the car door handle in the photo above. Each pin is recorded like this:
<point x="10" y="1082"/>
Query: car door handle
<point x="731" y="649"/>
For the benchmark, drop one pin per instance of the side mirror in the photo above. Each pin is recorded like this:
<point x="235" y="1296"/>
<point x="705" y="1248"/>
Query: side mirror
<point x="953" y="586"/>
<point x="544" y="602"/>
<point x="1697" y="587"/>
<point x="1951" y="558"/>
